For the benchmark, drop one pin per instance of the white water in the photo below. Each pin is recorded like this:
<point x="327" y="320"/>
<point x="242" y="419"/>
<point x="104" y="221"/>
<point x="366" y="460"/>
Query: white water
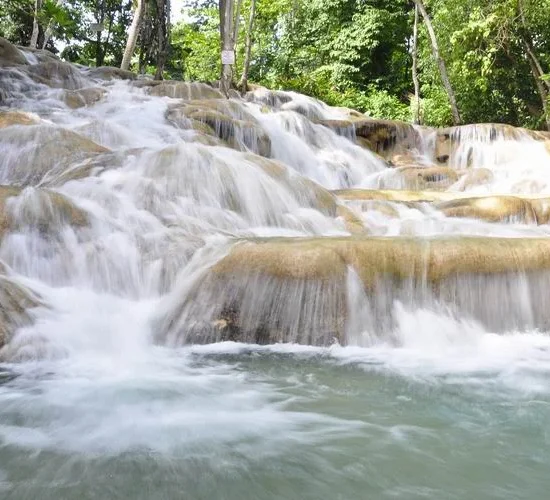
<point x="91" y="384"/>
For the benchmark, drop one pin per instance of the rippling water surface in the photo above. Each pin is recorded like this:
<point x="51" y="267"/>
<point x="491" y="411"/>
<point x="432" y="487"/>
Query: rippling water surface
<point x="234" y="421"/>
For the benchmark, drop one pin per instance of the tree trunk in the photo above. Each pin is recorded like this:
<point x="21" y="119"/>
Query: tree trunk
<point x="99" y="56"/>
<point x="227" y="46"/>
<point x="440" y="62"/>
<point x="528" y="45"/>
<point x="243" y="83"/>
<point x="133" y="35"/>
<point x="35" y="26"/>
<point x="237" y="23"/>
<point x="541" y="89"/>
<point x="163" y="36"/>
<point x="416" y="115"/>
<point x="108" y="37"/>
<point x="47" y="34"/>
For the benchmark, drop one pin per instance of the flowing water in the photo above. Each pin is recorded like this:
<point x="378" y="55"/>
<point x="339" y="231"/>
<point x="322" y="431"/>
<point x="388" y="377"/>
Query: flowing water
<point x="101" y="394"/>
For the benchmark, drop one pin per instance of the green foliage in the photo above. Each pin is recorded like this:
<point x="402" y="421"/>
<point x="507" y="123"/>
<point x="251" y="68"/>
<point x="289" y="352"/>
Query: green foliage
<point x="16" y="20"/>
<point x="434" y="107"/>
<point x="353" y="53"/>
<point x="196" y="45"/>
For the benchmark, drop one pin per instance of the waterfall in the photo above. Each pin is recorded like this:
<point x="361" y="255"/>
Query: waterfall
<point x="264" y="219"/>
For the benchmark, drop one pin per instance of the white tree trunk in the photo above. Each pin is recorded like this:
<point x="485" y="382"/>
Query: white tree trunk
<point x="243" y="83"/>
<point x="133" y="35"/>
<point x="35" y="27"/>
<point x="440" y="62"/>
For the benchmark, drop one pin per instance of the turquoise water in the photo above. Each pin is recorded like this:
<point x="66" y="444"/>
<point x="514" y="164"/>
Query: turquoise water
<point x="243" y="422"/>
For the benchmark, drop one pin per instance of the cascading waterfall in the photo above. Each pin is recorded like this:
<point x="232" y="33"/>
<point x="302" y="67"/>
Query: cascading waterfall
<point x="160" y="243"/>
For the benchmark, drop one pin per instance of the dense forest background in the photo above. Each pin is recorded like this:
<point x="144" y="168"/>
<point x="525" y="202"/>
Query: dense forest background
<point x="354" y="53"/>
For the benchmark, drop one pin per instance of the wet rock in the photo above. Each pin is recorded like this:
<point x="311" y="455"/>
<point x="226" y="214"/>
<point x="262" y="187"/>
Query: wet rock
<point x="428" y="177"/>
<point x="385" y="137"/>
<point x="271" y="98"/>
<point x="189" y="91"/>
<point x="311" y="193"/>
<point x="353" y="223"/>
<point x="38" y="55"/>
<point x="408" y="159"/>
<point x="418" y="178"/>
<point x="490" y="209"/>
<point x="227" y="120"/>
<point x="10" y="55"/>
<point x="57" y="74"/>
<point x="296" y="289"/>
<point x="373" y="258"/>
<point x="396" y="195"/>
<point x="16" y="84"/>
<point x="474" y="177"/>
<point x="39" y="153"/>
<point x="449" y="140"/>
<point x="15" y="117"/>
<point x="16" y="301"/>
<point x="83" y="97"/>
<point x="541" y="207"/>
<point x="37" y="209"/>
<point x="110" y="73"/>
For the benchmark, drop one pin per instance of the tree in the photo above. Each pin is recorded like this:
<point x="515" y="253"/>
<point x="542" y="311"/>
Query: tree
<point x="543" y="86"/>
<point x="243" y="83"/>
<point x="133" y="34"/>
<point x="163" y="36"/>
<point x="227" y="44"/>
<point x="416" y="83"/>
<point x="440" y="62"/>
<point x="35" y="26"/>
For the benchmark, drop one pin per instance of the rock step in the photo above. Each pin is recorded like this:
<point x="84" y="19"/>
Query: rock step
<point x="497" y="208"/>
<point x="316" y="290"/>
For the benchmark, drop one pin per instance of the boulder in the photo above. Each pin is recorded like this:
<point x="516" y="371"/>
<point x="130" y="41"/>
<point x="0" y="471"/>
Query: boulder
<point x="57" y="74"/>
<point x="10" y="55"/>
<point x="83" y="97"/>
<point x="109" y="73"/>
<point x="189" y="91"/>
<point x="16" y="117"/>
<point x="37" y="209"/>
<point x="385" y="137"/>
<point x="227" y="120"/>
<point x="38" y="55"/>
<point x="39" y="153"/>
<point x="16" y="301"/>
<point x="418" y="178"/>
